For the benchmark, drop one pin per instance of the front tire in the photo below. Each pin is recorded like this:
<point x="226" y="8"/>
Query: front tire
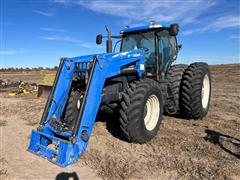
<point x="72" y="108"/>
<point x="141" y="111"/>
<point x="196" y="91"/>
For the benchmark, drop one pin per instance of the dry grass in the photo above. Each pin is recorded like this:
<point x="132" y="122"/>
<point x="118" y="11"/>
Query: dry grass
<point x="48" y="79"/>
<point x="32" y="122"/>
<point x="3" y="170"/>
<point x="33" y="112"/>
<point x="3" y="123"/>
<point x="183" y="149"/>
<point x="171" y="155"/>
<point x="109" y="167"/>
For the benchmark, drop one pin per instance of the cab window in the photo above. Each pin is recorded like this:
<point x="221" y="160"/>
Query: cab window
<point x="144" y="41"/>
<point x="167" y="48"/>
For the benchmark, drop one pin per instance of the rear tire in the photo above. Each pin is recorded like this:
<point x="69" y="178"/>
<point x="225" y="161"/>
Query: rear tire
<point x="141" y="111"/>
<point x="196" y="91"/>
<point x="175" y="75"/>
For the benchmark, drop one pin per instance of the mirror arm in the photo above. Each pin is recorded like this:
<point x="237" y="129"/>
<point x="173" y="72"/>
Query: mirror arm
<point x="109" y="40"/>
<point x="113" y="37"/>
<point x="116" y="37"/>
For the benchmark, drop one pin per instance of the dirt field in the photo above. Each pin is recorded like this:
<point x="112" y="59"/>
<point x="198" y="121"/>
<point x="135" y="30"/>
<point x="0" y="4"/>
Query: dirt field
<point x="183" y="149"/>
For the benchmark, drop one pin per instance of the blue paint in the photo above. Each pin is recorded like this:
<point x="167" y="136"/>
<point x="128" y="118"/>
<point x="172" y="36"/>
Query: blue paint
<point x="66" y="153"/>
<point x="142" y="28"/>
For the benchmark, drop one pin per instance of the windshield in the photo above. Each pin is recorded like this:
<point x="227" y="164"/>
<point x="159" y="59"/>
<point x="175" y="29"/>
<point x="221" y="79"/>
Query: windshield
<point x="143" y="41"/>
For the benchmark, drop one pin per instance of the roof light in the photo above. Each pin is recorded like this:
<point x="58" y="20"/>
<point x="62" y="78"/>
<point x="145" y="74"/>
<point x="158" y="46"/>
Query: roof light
<point x="155" y="26"/>
<point x="152" y="22"/>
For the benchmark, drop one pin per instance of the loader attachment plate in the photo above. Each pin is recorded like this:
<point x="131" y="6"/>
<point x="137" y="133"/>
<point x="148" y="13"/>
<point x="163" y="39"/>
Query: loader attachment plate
<point x="56" y="150"/>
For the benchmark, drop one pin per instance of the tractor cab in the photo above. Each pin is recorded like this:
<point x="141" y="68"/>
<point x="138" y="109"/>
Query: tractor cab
<point x="157" y="41"/>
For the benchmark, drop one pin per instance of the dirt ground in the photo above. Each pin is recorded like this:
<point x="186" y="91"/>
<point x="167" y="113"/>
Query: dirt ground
<point x="183" y="149"/>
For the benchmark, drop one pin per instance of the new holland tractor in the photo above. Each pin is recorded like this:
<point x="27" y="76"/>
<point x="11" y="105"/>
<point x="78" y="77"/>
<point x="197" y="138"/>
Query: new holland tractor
<point x="139" y="81"/>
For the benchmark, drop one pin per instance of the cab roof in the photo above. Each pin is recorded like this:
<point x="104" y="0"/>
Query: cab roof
<point x="147" y="27"/>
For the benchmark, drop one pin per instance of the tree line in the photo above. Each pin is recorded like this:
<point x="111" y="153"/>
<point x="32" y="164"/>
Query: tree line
<point x="12" y="69"/>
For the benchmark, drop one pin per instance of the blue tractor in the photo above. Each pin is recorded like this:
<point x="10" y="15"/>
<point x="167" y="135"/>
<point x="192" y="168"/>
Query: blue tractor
<point x="139" y="81"/>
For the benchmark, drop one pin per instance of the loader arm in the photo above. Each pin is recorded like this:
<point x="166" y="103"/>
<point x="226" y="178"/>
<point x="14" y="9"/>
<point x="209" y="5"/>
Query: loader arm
<point x="65" y="147"/>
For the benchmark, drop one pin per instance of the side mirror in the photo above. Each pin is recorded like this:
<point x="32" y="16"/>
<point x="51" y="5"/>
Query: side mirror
<point x="174" y="29"/>
<point x="99" y="39"/>
<point x="179" y="47"/>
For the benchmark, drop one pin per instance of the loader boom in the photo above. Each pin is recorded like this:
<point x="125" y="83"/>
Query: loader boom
<point x="65" y="147"/>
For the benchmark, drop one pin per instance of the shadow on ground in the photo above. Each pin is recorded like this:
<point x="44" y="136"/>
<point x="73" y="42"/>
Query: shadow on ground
<point x="112" y="123"/>
<point x="67" y="176"/>
<point x="228" y="143"/>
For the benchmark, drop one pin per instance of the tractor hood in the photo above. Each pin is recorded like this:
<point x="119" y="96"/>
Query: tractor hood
<point x="128" y="54"/>
<point x="113" y="56"/>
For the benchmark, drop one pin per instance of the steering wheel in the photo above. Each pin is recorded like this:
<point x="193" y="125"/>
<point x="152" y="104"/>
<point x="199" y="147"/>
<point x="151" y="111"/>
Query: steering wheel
<point x="146" y="50"/>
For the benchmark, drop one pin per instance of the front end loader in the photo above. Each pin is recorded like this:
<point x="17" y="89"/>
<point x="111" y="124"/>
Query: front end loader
<point x="139" y="81"/>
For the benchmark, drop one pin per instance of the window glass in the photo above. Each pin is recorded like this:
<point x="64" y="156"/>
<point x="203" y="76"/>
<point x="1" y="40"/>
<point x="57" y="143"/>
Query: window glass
<point x="167" y="47"/>
<point x="164" y="45"/>
<point x="129" y="43"/>
<point x="117" y="46"/>
<point x="173" y="46"/>
<point x="144" y="41"/>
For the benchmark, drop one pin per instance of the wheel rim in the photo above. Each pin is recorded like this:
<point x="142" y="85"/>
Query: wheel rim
<point x="152" y="115"/>
<point x="78" y="104"/>
<point x="205" y="91"/>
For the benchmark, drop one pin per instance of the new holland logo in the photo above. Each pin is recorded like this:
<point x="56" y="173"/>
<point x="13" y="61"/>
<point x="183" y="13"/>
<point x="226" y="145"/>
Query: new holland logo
<point x="120" y="54"/>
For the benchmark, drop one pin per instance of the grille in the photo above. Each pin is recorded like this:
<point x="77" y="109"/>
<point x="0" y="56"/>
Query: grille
<point x="82" y="66"/>
<point x="82" y="70"/>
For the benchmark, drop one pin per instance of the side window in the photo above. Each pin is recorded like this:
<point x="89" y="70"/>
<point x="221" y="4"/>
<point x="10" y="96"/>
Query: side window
<point x="173" y="46"/>
<point x="148" y="45"/>
<point x="129" y="43"/>
<point x="167" y="46"/>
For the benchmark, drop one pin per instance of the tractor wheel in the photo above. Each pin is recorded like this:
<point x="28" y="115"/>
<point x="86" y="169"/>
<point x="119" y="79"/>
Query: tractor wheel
<point x="141" y="110"/>
<point x="196" y="91"/>
<point x="175" y="75"/>
<point x="72" y="108"/>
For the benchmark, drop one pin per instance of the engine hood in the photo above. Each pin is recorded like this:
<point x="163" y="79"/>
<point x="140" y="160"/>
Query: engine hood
<point x="123" y="55"/>
<point x="119" y="55"/>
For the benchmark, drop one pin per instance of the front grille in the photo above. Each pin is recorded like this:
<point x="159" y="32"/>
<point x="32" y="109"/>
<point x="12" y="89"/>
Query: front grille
<point x="82" y="66"/>
<point x="82" y="70"/>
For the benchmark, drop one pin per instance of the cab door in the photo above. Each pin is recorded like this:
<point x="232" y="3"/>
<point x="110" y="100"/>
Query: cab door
<point x="167" y="50"/>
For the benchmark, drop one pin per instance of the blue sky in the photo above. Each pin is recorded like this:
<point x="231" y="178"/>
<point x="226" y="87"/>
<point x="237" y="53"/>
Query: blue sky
<point x="38" y="32"/>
